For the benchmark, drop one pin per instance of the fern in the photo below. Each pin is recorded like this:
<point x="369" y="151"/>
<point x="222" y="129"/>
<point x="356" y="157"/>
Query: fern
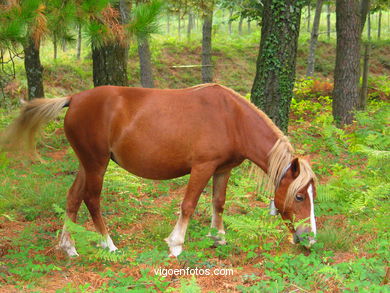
<point x="254" y="225"/>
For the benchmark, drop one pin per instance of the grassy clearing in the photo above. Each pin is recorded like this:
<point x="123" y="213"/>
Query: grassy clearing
<point x="352" y="210"/>
<point x="352" y="206"/>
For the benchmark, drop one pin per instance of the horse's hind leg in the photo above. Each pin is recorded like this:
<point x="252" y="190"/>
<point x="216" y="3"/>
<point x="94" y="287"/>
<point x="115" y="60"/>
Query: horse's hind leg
<point x="93" y="187"/>
<point x="200" y="175"/>
<point x="74" y="199"/>
<point x="87" y="187"/>
<point x="220" y="181"/>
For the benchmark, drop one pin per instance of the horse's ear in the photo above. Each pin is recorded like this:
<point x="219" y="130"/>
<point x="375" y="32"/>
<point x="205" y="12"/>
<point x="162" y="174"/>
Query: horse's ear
<point x="295" y="169"/>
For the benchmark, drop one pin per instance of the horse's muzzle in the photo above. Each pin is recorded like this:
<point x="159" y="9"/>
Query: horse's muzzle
<point x="300" y="233"/>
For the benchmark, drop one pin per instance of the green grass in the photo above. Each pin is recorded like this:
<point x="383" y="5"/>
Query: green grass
<point x="350" y="254"/>
<point x="352" y="203"/>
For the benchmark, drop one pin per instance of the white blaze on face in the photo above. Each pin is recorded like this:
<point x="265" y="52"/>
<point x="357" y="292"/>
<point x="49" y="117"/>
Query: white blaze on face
<point x="312" y="217"/>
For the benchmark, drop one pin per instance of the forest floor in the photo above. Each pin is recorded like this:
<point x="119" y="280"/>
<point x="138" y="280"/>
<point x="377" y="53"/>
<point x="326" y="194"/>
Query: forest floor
<point x="352" y="205"/>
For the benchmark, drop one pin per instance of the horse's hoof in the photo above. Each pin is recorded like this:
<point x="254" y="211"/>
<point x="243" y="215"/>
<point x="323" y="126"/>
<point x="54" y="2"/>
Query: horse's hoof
<point x="69" y="250"/>
<point x="218" y="239"/>
<point x="107" y="243"/>
<point x="175" y="251"/>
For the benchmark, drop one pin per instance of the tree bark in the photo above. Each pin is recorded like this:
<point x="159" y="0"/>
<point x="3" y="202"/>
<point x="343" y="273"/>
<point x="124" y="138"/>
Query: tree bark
<point x="249" y="26"/>
<point x="379" y="24"/>
<point x="207" y="69"/>
<point x="364" y="90"/>
<point x="55" y="47"/>
<point x="275" y="72"/>
<point x="79" y="42"/>
<point x="308" y="17"/>
<point x="365" y="10"/>
<point x="110" y="65"/>
<point x="179" y="25"/>
<point x="34" y="69"/>
<point x="240" y="26"/>
<point x="347" y="69"/>
<point x="145" y="63"/>
<point x="230" y="22"/>
<point x="328" y="21"/>
<point x="168" y="22"/>
<point x="110" y="60"/>
<point x="314" y="39"/>
<point x="189" y="25"/>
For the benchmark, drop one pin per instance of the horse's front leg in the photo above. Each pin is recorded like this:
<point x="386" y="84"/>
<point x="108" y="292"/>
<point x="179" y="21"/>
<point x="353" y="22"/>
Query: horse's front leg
<point x="220" y="181"/>
<point x="200" y="175"/>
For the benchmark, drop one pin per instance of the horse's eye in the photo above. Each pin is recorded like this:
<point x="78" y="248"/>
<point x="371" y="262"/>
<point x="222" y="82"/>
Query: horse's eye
<point x="299" y="197"/>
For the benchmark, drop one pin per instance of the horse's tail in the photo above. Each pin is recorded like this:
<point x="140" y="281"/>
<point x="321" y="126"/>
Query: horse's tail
<point x="21" y="134"/>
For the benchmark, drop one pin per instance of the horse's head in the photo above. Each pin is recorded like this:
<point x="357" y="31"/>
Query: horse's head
<point x="294" y="198"/>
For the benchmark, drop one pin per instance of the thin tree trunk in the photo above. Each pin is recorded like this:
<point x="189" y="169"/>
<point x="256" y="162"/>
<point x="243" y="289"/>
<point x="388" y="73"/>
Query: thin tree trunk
<point x="379" y="24"/>
<point x="189" y="26"/>
<point x="168" y="22"/>
<point x="230" y="22"/>
<point x="364" y="90"/>
<point x="328" y="21"/>
<point x="365" y="10"/>
<point x="275" y="69"/>
<point x="34" y="69"/>
<point x="207" y="69"/>
<point x="308" y="17"/>
<point x="145" y="63"/>
<point x="179" y="25"/>
<point x="314" y="39"/>
<point x="347" y="69"/>
<point x="55" y="47"/>
<point x="240" y="26"/>
<point x="79" y="39"/>
<point x="369" y="26"/>
<point x="249" y="26"/>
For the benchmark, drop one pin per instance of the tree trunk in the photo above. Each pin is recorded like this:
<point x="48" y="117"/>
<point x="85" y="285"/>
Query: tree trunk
<point x="365" y="10"/>
<point x="314" y="39"/>
<point x="347" y="69"/>
<point x="79" y="42"/>
<point x="364" y="90"/>
<point x="168" y="22"/>
<point x="189" y="26"/>
<point x="207" y="69"/>
<point x="275" y="72"/>
<point x="249" y="26"/>
<point x="145" y="63"/>
<point x="55" y="47"/>
<point x="328" y="21"/>
<point x="369" y="26"/>
<point x="179" y="25"/>
<point x="240" y="26"/>
<point x="34" y="69"/>
<point x="110" y="65"/>
<point x="110" y="60"/>
<point x="230" y="22"/>
<point x="308" y="17"/>
<point x="379" y="24"/>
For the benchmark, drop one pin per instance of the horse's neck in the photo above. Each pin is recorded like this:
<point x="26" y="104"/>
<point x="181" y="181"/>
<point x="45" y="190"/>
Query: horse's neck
<point x="260" y="137"/>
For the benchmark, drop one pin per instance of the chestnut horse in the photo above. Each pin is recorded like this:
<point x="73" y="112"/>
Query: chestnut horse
<point x="204" y="130"/>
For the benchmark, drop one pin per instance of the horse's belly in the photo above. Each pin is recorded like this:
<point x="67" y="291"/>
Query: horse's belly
<point x="150" y="167"/>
